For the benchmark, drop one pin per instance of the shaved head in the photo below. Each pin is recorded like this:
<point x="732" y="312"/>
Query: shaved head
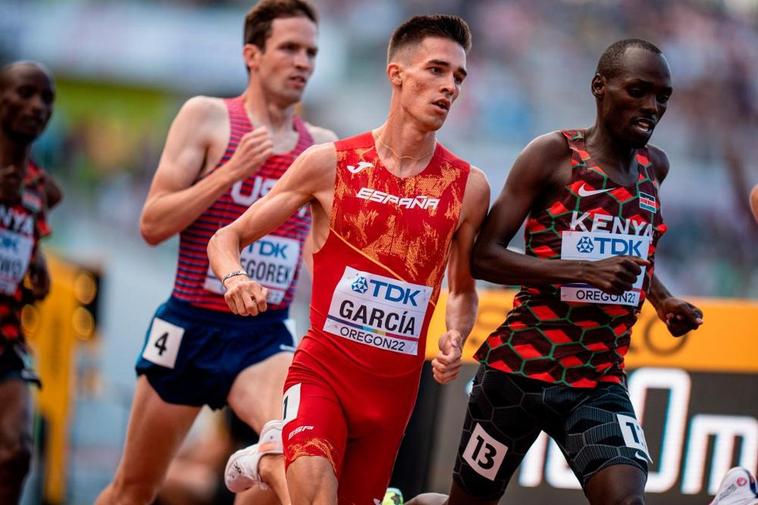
<point x="27" y="94"/>
<point x="9" y="71"/>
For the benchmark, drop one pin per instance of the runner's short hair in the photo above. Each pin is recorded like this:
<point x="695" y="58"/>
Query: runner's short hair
<point x="260" y="17"/>
<point x="609" y="64"/>
<point x="418" y="28"/>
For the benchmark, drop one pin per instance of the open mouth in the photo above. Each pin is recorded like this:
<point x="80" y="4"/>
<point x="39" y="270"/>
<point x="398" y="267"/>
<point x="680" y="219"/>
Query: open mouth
<point x="645" y="125"/>
<point x="298" y="79"/>
<point x="442" y="104"/>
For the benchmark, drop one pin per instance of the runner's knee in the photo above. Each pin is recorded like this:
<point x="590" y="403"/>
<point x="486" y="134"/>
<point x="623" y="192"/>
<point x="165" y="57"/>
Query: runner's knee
<point x="632" y="499"/>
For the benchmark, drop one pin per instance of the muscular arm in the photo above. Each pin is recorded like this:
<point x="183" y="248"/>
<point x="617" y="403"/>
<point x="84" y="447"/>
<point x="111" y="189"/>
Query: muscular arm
<point x="679" y="315"/>
<point x="527" y="181"/>
<point x="176" y="197"/>
<point x="462" y="301"/>
<point x="310" y="178"/>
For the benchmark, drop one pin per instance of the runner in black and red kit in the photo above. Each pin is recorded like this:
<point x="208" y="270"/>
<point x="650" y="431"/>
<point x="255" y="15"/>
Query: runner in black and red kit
<point x="26" y="103"/>
<point x="593" y="219"/>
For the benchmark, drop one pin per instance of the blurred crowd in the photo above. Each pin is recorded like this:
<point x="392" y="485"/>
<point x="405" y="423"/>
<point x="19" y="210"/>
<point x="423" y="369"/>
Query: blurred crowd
<point x="529" y="73"/>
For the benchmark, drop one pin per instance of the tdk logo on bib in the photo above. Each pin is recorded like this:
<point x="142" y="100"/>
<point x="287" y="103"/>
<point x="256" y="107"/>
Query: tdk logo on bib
<point x="614" y="246"/>
<point x="593" y="238"/>
<point x="267" y="248"/>
<point x="271" y="260"/>
<point x="378" y="311"/>
<point x="585" y="245"/>
<point x="386" y="291"/>
<point x="360" y="285"/>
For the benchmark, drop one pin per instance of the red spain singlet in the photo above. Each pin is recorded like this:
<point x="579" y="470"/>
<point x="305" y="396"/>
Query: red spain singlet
<point x="274" y="260"/>
<point x="377" y="277"/>
<point x="575" y="334"/>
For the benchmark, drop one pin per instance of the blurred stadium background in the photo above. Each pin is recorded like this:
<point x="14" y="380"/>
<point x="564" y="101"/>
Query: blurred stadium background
<point x="124" y="68"/>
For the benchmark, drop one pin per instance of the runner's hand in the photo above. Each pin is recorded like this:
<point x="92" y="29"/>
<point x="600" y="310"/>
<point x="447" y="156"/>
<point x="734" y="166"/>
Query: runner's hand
<point x="447" y="364"/>
<point x="614" y="275"/>
<point x="253" y="150"/>
<point x="679" y="315"/>
<point x="39" y="278"/>
<point x="245" y="297"/>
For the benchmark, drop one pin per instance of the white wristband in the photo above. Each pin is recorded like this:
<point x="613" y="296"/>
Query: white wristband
<point x="232" y="274"/>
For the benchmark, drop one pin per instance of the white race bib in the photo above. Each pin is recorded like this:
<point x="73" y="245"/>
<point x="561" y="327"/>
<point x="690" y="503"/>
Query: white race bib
<point x="15" y="254"/>
<point x="597" y="245"/>
<point x="272" y="261"/>
<point x="163" y="343"/>
<point x="378" y="311"/>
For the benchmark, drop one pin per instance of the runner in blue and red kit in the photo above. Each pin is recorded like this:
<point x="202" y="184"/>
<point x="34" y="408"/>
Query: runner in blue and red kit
<point x="221" y="155"/>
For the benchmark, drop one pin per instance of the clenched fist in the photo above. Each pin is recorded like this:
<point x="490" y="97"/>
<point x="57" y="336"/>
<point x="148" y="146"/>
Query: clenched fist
<point x="244" y="296"/>
<point x="253" y="150"/>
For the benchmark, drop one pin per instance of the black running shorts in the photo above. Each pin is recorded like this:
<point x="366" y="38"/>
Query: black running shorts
<point x="595" y="428"/>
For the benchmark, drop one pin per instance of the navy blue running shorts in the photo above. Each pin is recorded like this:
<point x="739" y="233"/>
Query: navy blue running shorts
<point x="191" y="355"/>
<point x="594" y="428"/>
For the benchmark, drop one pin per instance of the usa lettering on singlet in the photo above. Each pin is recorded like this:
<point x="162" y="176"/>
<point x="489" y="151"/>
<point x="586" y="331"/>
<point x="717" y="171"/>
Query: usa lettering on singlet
<point x="274" y="260"/>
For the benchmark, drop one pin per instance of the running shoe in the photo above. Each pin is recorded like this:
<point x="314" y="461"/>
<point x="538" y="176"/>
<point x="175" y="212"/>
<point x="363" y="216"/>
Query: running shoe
<point x="738" y="487"/>
<point x="393" y="496"/>
<point x="241" y="471"/>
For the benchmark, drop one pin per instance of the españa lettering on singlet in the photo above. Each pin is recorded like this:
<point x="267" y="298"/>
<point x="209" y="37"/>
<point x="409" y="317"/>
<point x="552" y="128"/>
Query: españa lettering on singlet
<point x="378" y="275"/>
<point x="274" y="260"/>
<point x="576" y="334"/>
<point x="21" y="226"/>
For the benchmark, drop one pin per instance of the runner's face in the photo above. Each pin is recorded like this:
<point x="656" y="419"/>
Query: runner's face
<point x="26" y="103"/>
<point x="289" y="58"/>
<point x="432" y="74"/>
<point x="636" y="99"/>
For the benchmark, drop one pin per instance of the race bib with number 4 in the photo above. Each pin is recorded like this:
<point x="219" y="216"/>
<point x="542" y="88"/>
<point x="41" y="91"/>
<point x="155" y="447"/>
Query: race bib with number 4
<point x="163" y="343"/>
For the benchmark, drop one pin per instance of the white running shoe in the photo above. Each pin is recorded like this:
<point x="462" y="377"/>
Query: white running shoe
<point x="241" y="471"/>
<point x="738" y="487"/>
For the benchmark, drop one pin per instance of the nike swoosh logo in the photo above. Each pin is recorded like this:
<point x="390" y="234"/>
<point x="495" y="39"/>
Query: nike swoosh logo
<point x="362" y="165"/>
<point x="642" y="456"/>
<point x="583" y="191"/>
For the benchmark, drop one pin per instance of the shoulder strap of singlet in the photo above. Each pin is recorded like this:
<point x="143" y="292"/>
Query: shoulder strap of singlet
<point x="575" y="141"/>
<point x="304" y="139"/>
<point x="362" y="140"/>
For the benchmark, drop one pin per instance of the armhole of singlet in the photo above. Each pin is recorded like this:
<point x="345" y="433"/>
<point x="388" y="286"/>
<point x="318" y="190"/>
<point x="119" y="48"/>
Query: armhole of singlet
<point x="575" y="159"/>
<point x="229" y="103"/>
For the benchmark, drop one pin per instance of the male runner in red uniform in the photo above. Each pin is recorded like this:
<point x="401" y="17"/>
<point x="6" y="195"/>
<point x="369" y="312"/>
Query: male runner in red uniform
<point x="220" y="156"/>
<point x="593" y="218"/>
<point x="26" y="103"/>
<point x="392" y="207"/>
